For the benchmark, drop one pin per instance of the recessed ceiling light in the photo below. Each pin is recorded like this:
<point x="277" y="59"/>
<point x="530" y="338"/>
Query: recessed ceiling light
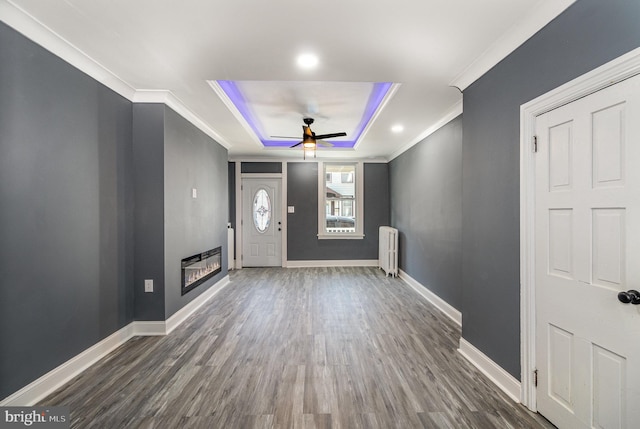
<point x="307" y="61"/>
<point x="397" y="128"/>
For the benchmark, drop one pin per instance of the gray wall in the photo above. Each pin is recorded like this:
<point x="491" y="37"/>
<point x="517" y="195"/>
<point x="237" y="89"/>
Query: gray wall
<point x="302" y="226"/>
<point x="148" y="154"/>
<point x="66" y="219"/>
<point x="92" y="201"/>
<point x="587" y="35"/>
<point x="192" y="225"/>
<point x="172" y="157"/>
<point x="426" y="207"/>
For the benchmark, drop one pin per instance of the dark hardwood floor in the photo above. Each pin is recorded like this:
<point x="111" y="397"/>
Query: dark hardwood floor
<point x="296" y="348"/>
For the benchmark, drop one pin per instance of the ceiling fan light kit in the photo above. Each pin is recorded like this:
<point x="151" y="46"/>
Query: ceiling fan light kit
<point x="310" y="140"/>
<point x="308" y="152"/>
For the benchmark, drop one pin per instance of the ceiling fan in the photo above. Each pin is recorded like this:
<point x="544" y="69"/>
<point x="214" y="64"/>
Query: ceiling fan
<point x="310" y="140"/>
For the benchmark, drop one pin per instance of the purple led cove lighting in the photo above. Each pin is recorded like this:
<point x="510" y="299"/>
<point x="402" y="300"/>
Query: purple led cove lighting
<point x="379" y="91"/>
<point x="233" y="92"/>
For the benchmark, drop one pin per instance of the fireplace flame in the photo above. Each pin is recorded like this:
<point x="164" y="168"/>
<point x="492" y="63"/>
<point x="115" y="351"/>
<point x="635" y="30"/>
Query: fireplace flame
<point x="198" y="273"/>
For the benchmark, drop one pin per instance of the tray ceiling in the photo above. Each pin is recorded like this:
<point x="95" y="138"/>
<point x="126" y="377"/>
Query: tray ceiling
<point x="161" y="50"/>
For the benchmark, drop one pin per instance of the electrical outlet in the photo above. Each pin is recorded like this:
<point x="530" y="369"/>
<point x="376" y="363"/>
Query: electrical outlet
<point x="148" y="285"/>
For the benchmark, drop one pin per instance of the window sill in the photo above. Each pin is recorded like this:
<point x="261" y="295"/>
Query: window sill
<point x="338" y="236"/>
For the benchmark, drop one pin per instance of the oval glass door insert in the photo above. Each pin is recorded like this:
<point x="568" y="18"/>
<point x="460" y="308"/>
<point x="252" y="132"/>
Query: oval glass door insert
<point x="261" y="210"/>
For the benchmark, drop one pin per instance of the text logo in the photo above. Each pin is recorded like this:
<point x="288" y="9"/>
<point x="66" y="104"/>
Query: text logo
<point x="34" y="417"/>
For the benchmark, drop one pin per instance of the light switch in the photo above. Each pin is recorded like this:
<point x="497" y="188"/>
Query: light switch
<point x="194" y="193"/>
<point x="291" y="209"/>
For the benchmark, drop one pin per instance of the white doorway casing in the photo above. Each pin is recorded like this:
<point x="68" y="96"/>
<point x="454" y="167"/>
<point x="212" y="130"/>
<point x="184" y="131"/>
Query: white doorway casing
<point x="609" y="74"/>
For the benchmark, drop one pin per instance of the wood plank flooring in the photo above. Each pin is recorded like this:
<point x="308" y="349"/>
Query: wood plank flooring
<point x="296" y="348"/>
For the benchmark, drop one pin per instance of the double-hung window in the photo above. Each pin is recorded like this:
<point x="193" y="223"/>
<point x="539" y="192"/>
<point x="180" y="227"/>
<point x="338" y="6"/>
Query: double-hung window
<point x="340" y="200"/>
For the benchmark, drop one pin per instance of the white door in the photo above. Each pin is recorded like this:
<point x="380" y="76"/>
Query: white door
<point x="587" y="252"/>
<point x="261" y="223"/>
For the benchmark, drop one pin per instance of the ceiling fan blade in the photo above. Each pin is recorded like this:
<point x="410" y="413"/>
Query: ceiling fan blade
<point x="324" y="143"/>
<point x="328" y="136"/>
<point x="284" y="137"/>
<point x="297" y="144"/>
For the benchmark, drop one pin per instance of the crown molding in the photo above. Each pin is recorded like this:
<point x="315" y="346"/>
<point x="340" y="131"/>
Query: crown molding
<point x="169" y="99"/>
<point x="541" y="14"/>
<point x="453" y="113"/>
<point x="33" y="29"/>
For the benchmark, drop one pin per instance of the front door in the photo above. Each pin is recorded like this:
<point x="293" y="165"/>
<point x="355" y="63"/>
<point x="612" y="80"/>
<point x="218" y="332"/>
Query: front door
<point x="587" y="252"/>
<point x="261" y="223"/>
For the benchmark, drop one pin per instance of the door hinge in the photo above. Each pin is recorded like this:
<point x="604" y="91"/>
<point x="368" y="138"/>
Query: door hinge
<point x="535" y="144"/>
<point x="535" y="378"/>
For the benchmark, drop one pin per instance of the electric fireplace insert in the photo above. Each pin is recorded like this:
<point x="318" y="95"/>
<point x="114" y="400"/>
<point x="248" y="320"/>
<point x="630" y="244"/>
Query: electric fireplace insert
<point x="199" y="268"/>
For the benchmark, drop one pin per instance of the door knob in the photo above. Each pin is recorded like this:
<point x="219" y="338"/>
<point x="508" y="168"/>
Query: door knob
<point x="631" y="296"/>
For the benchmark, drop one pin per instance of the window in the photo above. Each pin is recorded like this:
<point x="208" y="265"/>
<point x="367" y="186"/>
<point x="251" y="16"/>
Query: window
<point x="340" y="208"/>
<point x="261" y="210"/>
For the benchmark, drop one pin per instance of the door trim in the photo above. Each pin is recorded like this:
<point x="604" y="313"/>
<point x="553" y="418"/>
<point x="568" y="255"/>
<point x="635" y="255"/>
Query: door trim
<point x="615" y="71"/>
<point x="238" y="247"/>
<point x="285" y="216"/>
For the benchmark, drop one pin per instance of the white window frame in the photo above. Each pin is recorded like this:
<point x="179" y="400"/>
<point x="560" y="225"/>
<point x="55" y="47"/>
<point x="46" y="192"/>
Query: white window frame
<point x="359" y="204"/>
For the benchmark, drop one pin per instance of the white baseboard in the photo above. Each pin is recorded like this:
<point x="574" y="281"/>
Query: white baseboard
<point x="57" y="377"/>
<point x="148" y="328"/>
<point x="434" y="299"/>
<point x="181" y="315"/>
<point x="48" y="383"/>
<point x="332" y="263"/>
<point x="501" y="378"/>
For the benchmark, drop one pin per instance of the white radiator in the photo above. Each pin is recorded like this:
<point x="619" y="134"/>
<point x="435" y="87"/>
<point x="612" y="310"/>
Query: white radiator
<point x="230" y="242"/>
<point x="388" y="250"/>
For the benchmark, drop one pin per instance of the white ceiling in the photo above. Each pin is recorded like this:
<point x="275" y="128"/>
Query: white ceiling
<point x="169" y="50"/>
